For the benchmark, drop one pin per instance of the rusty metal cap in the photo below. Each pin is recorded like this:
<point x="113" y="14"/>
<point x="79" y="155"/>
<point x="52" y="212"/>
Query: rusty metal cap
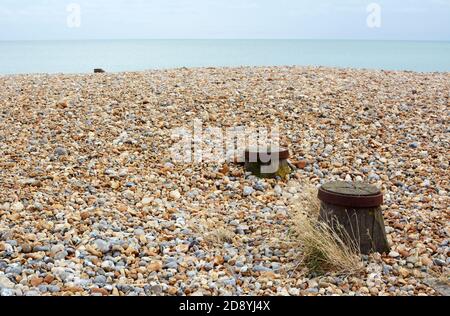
<point x="350" y="194"/>
<point x="263" y="152"/>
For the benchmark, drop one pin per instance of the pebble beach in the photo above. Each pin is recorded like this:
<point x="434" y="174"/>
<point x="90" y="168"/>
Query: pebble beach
<point x="91" y="202"/>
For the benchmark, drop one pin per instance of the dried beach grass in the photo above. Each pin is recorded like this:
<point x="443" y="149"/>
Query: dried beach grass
<point x="219" y="236"/>
<point x="323" y="248"/>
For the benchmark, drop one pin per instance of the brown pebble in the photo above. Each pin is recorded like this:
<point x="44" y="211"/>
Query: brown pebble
<point x="300" y="164"/>
<point x="122" y="208"/>
<point x="172" y="290"/>
<point x="155" y="266"/>
<point x="35" y="281"/>
<point x="49" y="279"/>
<point x="72" y="289"/>
<point x="100" y="291"/>
<point x="84" y="215"/>
<point x="26" y="248"/>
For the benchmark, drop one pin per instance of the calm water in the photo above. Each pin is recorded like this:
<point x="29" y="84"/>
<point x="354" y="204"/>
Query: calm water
<point x="131" y="55"/>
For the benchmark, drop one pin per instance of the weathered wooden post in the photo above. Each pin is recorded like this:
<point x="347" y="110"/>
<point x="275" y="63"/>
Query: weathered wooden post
<point x="354" y="211"/>
<point x="268" y="162"/>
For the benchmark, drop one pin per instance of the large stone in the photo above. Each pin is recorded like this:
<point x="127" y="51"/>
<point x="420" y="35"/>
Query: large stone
<point x="5" y="283"/>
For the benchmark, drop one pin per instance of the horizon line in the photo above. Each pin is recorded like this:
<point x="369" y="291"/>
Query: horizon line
<point x="224" y="39"/>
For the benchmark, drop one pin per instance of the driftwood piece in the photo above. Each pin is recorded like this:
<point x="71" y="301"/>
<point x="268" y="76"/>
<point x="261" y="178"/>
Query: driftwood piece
<point x="354" y="211"/>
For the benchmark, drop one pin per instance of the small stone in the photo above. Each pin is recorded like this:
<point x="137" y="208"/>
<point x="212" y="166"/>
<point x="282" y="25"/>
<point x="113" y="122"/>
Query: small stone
<point x="328" y="149"/>
<point x="193" y="194"/>
<point x="26" y="248"/>
<point x="100" y="280"/>
<point x="6" y="292"/>
<point x="426" y="261"/>
<point x="31" y="182"/>
<point x="146" y="201"/>
<point x="183" y="248"/>
<point x="35" y="281"/>
<point x="374" y="291"/>
<point x="56" y="249"/>
<point x="248" y="191"/>
<point x="259" y="268"/>
<point x="294" y="292"/>
<point x="102" y="245"/>
<point x="278" y="190"/>
<point x="259" y="186"/>
<point x="403" y="272"/>
<point x="156" y="289"/>
<point x="62" y="104"/>
<point x="412" y="259"/>
<point x="17" y="207"/>
<point x="84" y="215"/>
<point x="439" y="262"/>
<point x="53" y="288"/>
<point x="49" y="279"/>
<point x="300" y="164"/>
<point x="364" y="290"/>
<point x="172" y="290"/>
<point x="60" y="151"/>
<point x="5" y="283"/>
<point x="394" y="254"/>
<point x="155" y="266"/>
<point x="115" y="184"/>
<point x="41" y="248"/>
<point x="313" y="284"/>
<point x="225" y="169"/>
<point x="108" y="265"/>
<point x="175" y="195"/>
<point x="139" y="232"/>
<point x="103" y="292"/>
<point x="171" y="265"/>
<point x="312" y="290"/>
<point x="61" y="255"/>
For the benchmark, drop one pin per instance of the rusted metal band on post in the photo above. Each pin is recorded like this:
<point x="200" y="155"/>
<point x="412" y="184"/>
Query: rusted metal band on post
<point x="350" y="200"/>
<point x="261" y="154"/>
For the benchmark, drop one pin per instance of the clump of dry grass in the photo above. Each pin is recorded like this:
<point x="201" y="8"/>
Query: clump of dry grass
<point x="323" y="248"/>
<point x="441" y="276"/>
<point x="220" y="236"/>
<point x="213" y="231"/>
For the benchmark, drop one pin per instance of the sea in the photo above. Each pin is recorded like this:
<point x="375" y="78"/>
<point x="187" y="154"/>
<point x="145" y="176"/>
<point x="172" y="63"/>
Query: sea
<point x="24" y="57"/>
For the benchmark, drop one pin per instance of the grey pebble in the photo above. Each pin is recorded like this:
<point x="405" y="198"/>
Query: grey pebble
<point x="171" y="265"/>
<point x="259" y="268"/>
<point x="53" y="288"/>
<point x="7" y="292"/>
<point x="100" y="280"/>
<point x="60" y="151"/>
<point x="259" y="186"/>
<point x="439" y="262"/>
<point x="248" y="191"/>
<point x="102" y="245"/>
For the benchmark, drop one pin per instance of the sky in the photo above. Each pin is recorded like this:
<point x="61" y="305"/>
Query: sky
<point x="218" y="19"/>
